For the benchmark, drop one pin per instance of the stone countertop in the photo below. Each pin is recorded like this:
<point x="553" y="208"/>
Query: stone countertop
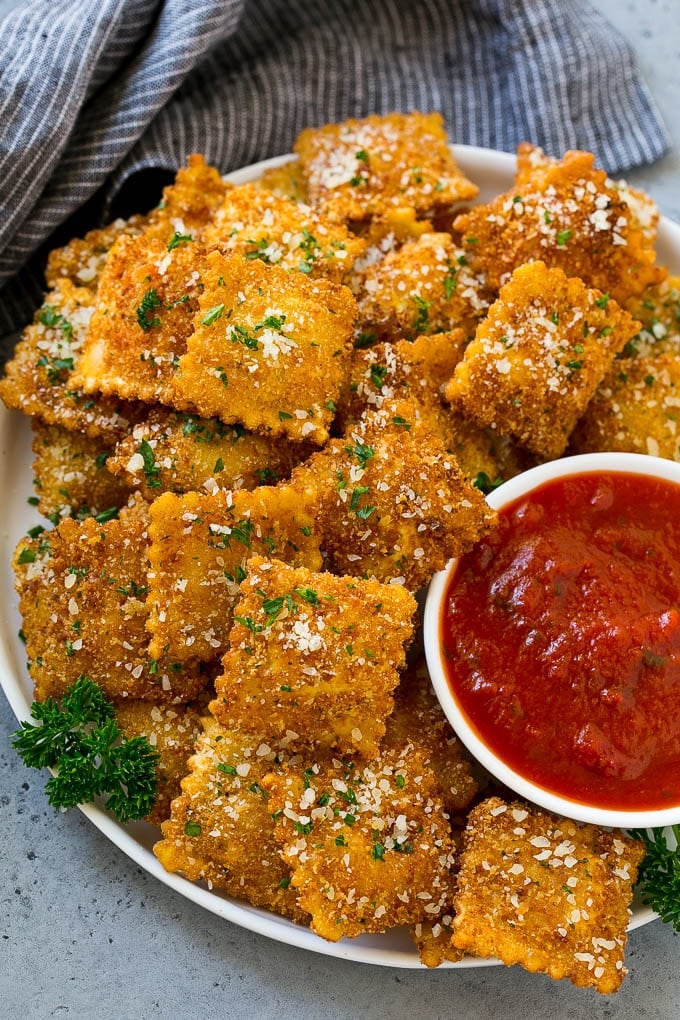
<point x="84" y="932"/>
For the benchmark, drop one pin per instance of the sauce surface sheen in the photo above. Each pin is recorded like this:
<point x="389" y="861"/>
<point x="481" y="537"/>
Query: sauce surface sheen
<point x="561" y="635"/>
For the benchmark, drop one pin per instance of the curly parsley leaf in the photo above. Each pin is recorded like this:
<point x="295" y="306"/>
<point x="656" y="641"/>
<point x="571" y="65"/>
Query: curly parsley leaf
<point x="80" y="739"/>
<point x="659" y="875"/>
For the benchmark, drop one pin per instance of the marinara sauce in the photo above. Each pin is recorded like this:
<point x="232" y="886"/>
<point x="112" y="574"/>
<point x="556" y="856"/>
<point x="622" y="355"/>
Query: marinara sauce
<point x="561" y="634"/>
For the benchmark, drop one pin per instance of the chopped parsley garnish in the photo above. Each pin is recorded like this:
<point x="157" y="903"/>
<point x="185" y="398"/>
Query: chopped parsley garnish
<point x="177" y="239"/>
<point x="365" y="340"/>
<point x="212" y="315"/>
<point x="659" y="875"/>
<point x="484" y="483"/>
<point x="421" y="320"/>
<point x="362" y="156"/>
<point x="192" y="828"/>
<point x="151" y="470"/>
<point x="145" y="312"/>
<point x="362" y="451"/>
<point x="562" y="237"/>
<point x="603" y="301"/>
<point x="307" y="595"/>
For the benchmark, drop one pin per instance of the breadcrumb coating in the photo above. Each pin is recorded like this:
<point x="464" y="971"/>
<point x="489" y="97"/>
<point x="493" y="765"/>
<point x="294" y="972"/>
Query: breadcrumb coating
<point x="279" y="232"/>
<point x="270" y="348"/>
<point x="425" y="286"/>
<point x="545" y="892"/>
<point x="221" y="829"/>
<point x="82" y="594"/>
<point x="393" y="503"/>
<point x="538" y="357"/>
<point x="39" y="379"/>
<point x="199" y="545"/>
<point x="567" y="214"/>
<point x="369" y="846"/>
<point x="300" y="642"/>
<point x="359" y="169"/>
<point x="173" y="452"/>
<point x="70" y="474"/>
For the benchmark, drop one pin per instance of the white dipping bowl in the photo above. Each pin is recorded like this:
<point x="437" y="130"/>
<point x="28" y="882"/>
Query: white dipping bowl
<point x="528" y="481"/>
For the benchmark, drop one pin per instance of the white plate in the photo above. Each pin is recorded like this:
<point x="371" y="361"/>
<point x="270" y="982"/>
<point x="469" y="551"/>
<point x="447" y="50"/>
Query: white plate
<point x="493" y="172"/>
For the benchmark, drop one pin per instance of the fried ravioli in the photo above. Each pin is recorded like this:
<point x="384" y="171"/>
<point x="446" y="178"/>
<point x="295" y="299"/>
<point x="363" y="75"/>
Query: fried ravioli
<point x="199" y="544"/>
<point x="314" y="657"/>
<point x="545" y="892"/>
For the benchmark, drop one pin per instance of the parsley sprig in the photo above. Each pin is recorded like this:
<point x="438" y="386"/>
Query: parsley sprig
<point x="79" y="738"/>
<point x="659" y="875"/>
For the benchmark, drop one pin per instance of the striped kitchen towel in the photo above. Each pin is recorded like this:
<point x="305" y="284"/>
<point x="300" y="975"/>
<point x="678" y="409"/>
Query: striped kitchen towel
<point x="93" y="92"/>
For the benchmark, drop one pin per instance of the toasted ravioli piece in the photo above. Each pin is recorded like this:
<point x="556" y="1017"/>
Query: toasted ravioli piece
<point x="643" y="211"/>
<point x="414" y="371"/>
<point x="394" y="504"/>
<point x="173" y="452"/>
<point x="417" y="372"/>
<point x="314" y="655"/>
<point x="636" y="409"/>
<point x="270" y="350"/>
<point x="658" y="310"/>
<point x="360" y="168"/>
<point x="568" y="215"/>
<point x="369" y="846"/>
<point x="186" y="208"/>
<point x="263" y="226"/>
<point x="82" y="594"/>
<point x="286" y="181"/>
<point x="39" y="379"/>
<point x="189" y="203"/>
<point x="545" y="892"/>
<point x="418" y="717"/>
<point x="70" y="475"/>
<point x="221" y="829"/>
<point x="146" y="303"/>
<point x="82" y="260"/>
<point x="199" y="546"/>
<point x="172" y="731"/>
<point x="425" y="286"/>
<point x="538" y="357"/>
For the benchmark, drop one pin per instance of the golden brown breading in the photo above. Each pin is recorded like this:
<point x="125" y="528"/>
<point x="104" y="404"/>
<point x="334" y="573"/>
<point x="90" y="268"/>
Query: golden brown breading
<point x="285" y="180"/>
<point x="39" y="379"/>
<point x="187" y="206"/>
<point x="418" y="718"/>
<point x="658" y="309"/>
<point x="82" y="260"/>
<point x="82" y="589"/>
<point x="393" y="504"/>
<point x="172" y="731"/>
<point x="417" y="372"/>
<point x="70" y="475"/>
<point x="199" y="546"/>
<point x="261" y="225"/>
<point x="425" y="286"/>
<point x="538" y="357"/>
<point x="360" y="168"/>
<point x="545" y="892"/>
<point x="414" y="371"/>
<point x="313" y="655"/>
<point x="221" y="829"/>
<point x="185" y="453"/>
<point x="566" y="214"/>
<point x="369" y="846"/>
<point x="146" y="303"/>
<point x="270" y="349"/>
<point x="636" y="409"/>
<point x="189" y="203"/>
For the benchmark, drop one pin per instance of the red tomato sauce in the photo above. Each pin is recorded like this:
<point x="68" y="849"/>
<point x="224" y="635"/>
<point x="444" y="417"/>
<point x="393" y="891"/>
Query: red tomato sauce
<point x="561" y="634"/>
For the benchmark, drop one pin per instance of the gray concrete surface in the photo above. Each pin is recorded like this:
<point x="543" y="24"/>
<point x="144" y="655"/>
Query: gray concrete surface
<point x="84" y="933"/>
